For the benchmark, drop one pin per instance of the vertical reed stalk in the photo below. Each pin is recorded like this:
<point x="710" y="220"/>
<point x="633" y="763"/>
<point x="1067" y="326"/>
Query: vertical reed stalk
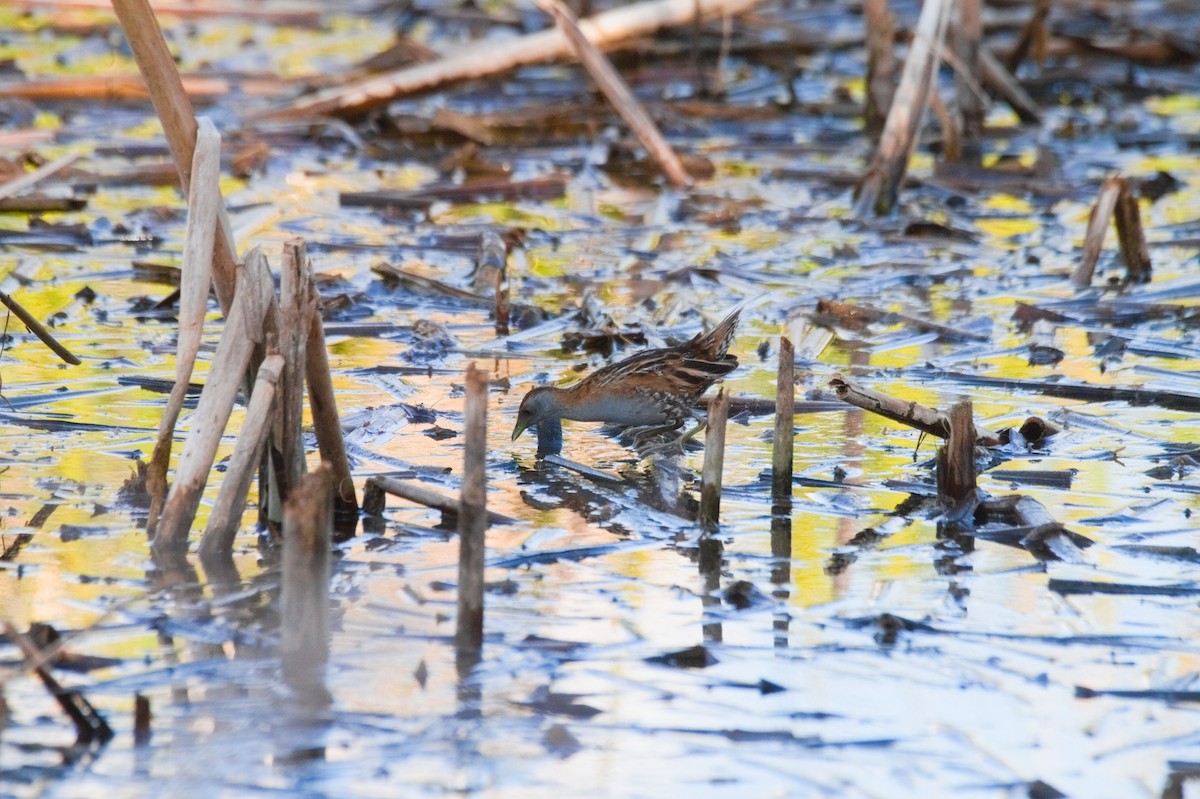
<point x="472" y="522"/>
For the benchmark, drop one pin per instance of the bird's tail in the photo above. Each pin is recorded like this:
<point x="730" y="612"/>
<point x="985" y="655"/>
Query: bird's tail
<point x="715" y="343"/>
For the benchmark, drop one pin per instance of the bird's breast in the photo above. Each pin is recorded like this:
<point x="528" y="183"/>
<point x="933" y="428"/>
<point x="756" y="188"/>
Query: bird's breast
<point x="622" y="410"/>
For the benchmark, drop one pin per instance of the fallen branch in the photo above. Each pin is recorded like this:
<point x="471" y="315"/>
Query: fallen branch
<point x="604" y="30"/>
<point x="23" y="182"/>
<point x="618" y="93"/>
<point x="905" y="412"/>
<point x="36" y="328"/>
<point x="374" y="500"/>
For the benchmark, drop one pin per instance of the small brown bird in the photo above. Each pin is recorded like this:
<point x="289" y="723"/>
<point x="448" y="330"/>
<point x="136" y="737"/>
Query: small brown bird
<point x="651" y="392"/>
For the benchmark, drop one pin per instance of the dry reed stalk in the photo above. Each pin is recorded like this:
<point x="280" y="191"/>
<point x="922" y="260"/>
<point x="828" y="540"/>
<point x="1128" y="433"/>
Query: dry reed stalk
<point x="956" y="459"/>
<point x="178" y="120"/>
<point x="322" y="402"/>
<point x="296" y="307"/>
<point x="618" y="93"/>
<point x="1093" y="239"/>
<point x="782" y="445"/>
<point x="1000" y="80"/>
<point x="881" y="63"/>
<point x="714" y="461"/>
<point x="968" y="33"/>
<point x="204" y="200"/>
<point x="36" y="328"/>
<point x="1131" y="238"/>
<point x="222" y="526"/>
<point x="605" y="30"/>
<point x="243" y="325"/>
<point x="880" y="186"/>
<point x="472" y="522"/>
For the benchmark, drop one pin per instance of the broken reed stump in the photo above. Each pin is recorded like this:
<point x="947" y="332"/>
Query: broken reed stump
<point x="1114" y="202"/>
<point x="618" y="93"/>
<point x="783" y="443"/>
<point x="295" y="311"/>
<point x="956" y="458"/>
<point x="141" y="719"/>
<point x="1131" y="238"/>
<point x="472" y="523"/>
<point x="876" y="193"/>
<point x="307" y="533"/>
<point x="714" y="461"/>
<point x="223" y="521"/>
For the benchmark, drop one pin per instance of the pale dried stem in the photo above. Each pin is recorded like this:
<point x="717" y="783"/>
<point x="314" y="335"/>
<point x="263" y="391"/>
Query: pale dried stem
<point x="618" y="93"/>
<point x="605" y="30"/>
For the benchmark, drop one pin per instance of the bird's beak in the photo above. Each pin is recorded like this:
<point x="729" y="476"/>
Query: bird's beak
<point x="518" y="430"/>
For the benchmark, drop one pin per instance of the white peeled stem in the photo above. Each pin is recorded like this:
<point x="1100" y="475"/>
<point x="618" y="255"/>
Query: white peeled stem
<point x="204" y="200"/>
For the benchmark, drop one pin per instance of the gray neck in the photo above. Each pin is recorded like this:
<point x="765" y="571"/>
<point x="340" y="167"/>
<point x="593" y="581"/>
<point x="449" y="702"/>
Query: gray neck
<point x="549" y="436"/>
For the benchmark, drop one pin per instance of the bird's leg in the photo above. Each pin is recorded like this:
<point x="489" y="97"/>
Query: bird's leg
<point x="668" y="444"/>
<point x="701" y="424"/>
<point x="643" y="432"/>
<point x="679" y="441"/>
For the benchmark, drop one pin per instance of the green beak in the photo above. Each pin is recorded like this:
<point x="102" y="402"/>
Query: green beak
<point x="518" y="430"/>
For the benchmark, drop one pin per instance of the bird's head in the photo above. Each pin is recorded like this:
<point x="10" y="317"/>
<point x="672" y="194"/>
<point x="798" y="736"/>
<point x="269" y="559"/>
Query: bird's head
<point x="539" y="403"/>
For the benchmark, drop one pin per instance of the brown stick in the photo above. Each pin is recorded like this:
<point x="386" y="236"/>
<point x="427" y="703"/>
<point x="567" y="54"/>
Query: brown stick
<point x="141" y="720"/>
<point x="174" y="111"/>
<point x="222" y="525"/>
<point x="604" y="29"/>
<point x="880" y="186"/>
<point x="617" y="91"/>
<point x="881" y="63"/>
<point x="1131" y="238"/>
<point x="307" y="532"/>
<point x="1093" y="240"/>
<point x="714" y="462"/>
<point x="911" y="414"/>
<point x="1033" y="30"/>
<point x="956" y="459"/>
<point x="36" y="328"/>
<point x="472" y="522"/>
<point x="323" y="403"/>
<point x="967" y="35"/>
<point x="296" y="307"/>
<point x="997" y="78"/>
<point x="783" y="444"/>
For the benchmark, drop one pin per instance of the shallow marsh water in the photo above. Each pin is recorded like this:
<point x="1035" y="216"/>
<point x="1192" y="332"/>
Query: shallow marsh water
<point x="875" y="659"/>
